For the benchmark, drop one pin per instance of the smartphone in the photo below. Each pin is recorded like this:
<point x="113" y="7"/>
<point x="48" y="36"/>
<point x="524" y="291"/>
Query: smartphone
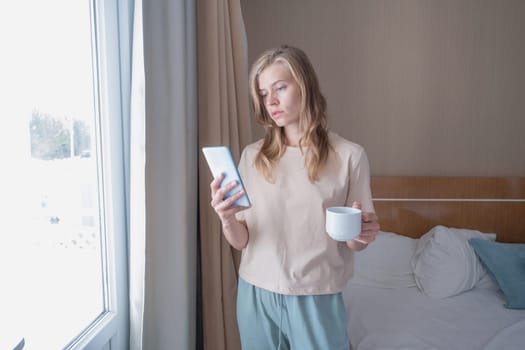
<point x="220" y="161"/>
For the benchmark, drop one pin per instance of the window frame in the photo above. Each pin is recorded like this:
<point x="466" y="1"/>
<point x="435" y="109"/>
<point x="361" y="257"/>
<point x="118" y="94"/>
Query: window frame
<point x="111" y="27"/>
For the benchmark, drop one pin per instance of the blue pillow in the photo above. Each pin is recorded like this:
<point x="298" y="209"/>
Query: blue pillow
<point x="505" y="262"/>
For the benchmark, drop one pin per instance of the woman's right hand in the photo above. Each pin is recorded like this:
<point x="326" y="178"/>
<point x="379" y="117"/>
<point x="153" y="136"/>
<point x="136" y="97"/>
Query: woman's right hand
<point x="224" y="207"/>
<point x="236" y="233"/>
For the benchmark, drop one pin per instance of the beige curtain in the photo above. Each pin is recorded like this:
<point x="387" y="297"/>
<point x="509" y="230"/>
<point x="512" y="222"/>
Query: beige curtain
<point x="223" y="117"/>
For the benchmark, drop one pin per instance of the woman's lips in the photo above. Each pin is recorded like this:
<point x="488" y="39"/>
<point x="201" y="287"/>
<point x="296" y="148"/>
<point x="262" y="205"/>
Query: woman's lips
<point x="276" y="114"/>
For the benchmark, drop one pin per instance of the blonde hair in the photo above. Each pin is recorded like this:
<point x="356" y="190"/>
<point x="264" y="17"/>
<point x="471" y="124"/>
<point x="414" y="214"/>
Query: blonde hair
<point x="314" y="144"/>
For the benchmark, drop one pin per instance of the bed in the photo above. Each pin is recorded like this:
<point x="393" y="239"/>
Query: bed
<point x="447" y="270"/>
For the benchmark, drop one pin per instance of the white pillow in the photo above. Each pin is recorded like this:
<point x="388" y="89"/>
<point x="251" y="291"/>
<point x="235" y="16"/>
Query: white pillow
<point x="385" y="262"/>
<point x="444" y="264"/>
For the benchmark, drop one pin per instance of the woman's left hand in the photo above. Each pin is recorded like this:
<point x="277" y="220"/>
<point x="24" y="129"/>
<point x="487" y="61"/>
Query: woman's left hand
<point x="369" y="226"/>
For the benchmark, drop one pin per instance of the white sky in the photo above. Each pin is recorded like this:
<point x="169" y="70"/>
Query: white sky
<point x="46" y="58"/>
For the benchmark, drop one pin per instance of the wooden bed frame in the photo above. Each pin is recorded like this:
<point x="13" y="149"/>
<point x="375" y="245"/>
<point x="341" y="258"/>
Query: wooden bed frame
<point x="412" y="205"/>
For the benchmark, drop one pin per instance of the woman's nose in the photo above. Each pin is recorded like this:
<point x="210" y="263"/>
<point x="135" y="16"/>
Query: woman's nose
<point x="272" y="99"/>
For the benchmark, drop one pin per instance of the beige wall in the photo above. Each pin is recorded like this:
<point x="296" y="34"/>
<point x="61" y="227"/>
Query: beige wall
<point x="432" y="87"/>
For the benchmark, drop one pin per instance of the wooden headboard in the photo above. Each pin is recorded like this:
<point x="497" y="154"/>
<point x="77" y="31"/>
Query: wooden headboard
<point x="412" y="205"/>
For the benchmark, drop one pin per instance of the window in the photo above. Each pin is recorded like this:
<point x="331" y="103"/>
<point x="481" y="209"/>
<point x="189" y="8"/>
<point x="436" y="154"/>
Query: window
<point x="63" y="241"/>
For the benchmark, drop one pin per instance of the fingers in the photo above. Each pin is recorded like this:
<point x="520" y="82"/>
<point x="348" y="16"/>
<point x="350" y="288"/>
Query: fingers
<point x="224" y="207"/>
<point x="227" y="203"/>
<point x="369" y="227"/>
<point x="367" y="236"/>
<point x="215" y="184"/>
<point x="369" y="217"/>
<point x="218" y="194"/>
<point x="226" y="213"/>
<point x="369" y="231"/>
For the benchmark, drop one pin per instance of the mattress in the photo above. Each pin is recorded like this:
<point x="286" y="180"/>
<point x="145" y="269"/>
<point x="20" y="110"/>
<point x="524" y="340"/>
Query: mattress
<point x="405" y="318"/>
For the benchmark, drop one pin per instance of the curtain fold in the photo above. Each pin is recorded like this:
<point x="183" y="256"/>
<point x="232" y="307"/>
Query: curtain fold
<point x="224" y="119"/>
<point x="170" y="174"/>
<point x="164" y="231"/>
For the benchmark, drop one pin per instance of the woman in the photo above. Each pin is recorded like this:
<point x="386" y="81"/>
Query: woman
<point x="292" y="273"/>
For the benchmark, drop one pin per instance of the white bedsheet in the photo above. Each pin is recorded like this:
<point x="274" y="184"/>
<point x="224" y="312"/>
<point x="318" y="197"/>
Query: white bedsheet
<point x="407" y="319"/>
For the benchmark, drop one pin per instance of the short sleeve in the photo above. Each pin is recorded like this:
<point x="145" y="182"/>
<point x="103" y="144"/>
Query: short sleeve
<point x="359" y="189"/>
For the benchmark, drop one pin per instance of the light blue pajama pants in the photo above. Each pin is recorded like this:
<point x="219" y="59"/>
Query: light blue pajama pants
<point x="269" y="321"/>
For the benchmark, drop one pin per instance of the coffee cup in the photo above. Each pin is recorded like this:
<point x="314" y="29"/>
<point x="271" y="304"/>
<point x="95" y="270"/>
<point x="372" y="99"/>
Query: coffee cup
<point x="343" y="223"/>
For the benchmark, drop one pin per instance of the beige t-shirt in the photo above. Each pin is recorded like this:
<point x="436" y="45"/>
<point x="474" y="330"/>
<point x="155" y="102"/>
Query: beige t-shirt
<point x="289" y="251"/>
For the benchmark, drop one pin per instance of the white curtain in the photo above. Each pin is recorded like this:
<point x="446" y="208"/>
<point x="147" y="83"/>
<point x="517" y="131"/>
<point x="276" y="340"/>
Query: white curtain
<point x="136" y="184"/>
<point x="170" y="178"/>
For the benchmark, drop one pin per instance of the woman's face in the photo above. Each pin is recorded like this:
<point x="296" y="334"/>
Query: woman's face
<point x="280" y="94"/>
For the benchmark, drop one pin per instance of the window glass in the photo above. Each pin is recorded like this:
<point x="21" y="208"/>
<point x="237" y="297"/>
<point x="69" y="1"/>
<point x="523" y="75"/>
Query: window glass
<point x="51" y="241"/>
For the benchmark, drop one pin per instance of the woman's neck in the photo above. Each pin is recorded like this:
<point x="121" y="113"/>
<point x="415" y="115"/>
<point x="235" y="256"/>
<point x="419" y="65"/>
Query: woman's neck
<point x="293" y="135"/>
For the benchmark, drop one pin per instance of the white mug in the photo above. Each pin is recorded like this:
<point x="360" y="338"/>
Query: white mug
<point x="343" y="223"/>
